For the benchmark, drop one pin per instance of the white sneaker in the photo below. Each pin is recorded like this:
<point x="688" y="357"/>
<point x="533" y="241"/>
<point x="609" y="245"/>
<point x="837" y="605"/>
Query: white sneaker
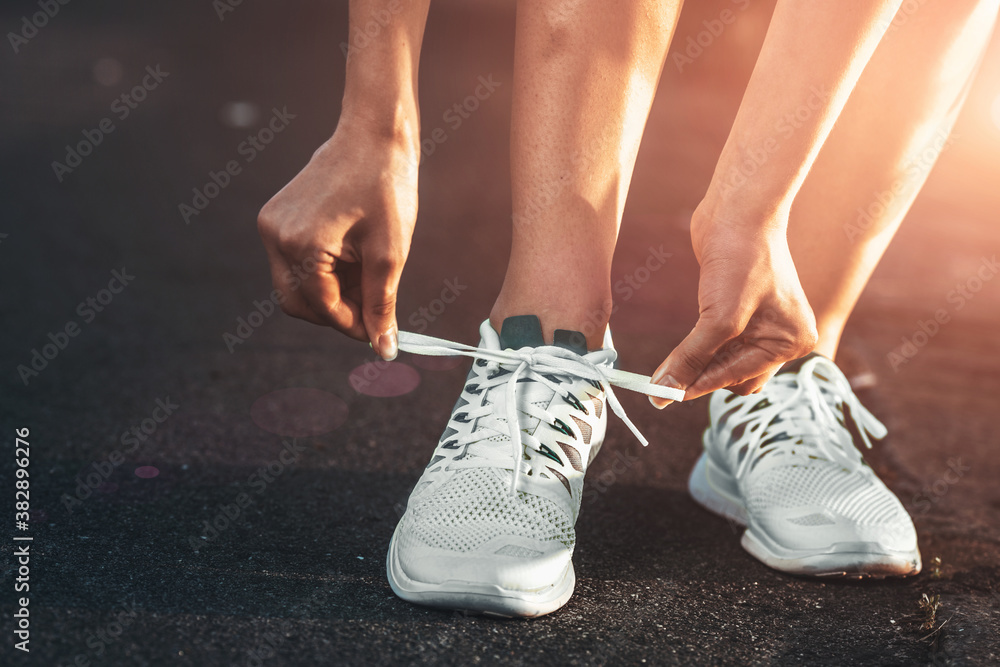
<point x="489" y="526"/>
<point x="783" y="463"/>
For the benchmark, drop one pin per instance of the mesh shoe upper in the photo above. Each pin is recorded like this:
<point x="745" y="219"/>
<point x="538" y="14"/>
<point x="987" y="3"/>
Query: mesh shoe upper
<point x="474" y="507"/>
<point x="791" y="451"/>
<point x="467" y="517"/>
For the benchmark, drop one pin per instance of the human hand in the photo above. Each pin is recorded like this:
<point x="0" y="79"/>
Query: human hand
<point x="348" y="219"/>
<point x="753" y="313"/>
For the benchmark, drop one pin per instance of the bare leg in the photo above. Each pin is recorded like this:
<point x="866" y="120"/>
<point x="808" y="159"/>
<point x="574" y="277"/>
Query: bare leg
<point x="880" y="151"/>
<point x="584" y="77"/>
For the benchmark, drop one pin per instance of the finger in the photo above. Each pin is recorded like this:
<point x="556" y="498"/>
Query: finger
<point x="752" y="386"/>
<point x="291" y="301"/>
<point x="304" y="295"/>
<point x="379" y="285"/>
<point x="323" y="291"/>
<point x="295" y="305"/>
<point x="686" y="363"/>
<point x="743" y="370"/>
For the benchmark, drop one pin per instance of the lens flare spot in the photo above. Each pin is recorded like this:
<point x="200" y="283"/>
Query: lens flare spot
<point x="383" y="379"/>
<point x="240" y="115"/>
<point x="147" y="472"/>
<point x="299" y="412"/>
<point x="107" y="71"/>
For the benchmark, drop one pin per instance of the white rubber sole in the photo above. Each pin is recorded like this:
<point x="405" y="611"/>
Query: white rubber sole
<point x="716" y="490"/>
<point x="479" y="598"/>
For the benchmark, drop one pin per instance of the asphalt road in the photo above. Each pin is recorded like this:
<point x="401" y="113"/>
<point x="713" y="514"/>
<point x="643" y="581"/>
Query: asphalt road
<point x="209" y="486"/>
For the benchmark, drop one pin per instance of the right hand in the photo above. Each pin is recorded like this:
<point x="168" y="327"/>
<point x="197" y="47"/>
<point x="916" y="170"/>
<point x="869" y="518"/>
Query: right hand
<point x="345" y="223"/>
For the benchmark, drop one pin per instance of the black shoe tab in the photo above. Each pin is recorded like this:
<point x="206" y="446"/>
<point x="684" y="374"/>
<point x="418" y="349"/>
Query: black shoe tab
<point x="521" y="331"/>
<point x="526" y="331"/>
<point x="574" y="341"/>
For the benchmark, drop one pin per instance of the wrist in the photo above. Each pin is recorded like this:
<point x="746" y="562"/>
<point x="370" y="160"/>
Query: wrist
<point x="393" y="124"/>
<point x="742" y="223"/>
<point x="380" y="98"/>
<point x="744" y="209"/>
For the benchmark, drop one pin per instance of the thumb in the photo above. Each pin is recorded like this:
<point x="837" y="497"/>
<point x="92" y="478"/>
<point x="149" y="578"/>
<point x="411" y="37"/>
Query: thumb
<point x="379" y="284"/>
<point x="690" y="358"/>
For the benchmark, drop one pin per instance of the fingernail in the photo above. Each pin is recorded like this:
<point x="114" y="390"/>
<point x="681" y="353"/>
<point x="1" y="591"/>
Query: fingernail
<point x="659" y="403"/>
<point x="661" y="378"/>
<point x="387" y="346"/>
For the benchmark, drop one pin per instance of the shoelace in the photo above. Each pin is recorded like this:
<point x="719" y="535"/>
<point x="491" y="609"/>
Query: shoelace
<point x="539" y="362"/>
<point x="808" y="414"/>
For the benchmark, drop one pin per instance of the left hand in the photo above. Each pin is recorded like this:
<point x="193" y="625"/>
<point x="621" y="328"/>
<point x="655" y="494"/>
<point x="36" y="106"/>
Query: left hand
<point x="753" y="313"/>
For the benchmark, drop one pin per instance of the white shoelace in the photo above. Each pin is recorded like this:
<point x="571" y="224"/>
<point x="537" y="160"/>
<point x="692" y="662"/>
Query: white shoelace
<point x="538" y="362"/>
<point x="806" y="413"/>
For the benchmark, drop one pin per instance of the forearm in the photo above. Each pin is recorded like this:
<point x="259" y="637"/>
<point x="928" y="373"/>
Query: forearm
<point x="811" y="59"/>
<point x="380" y="94"/>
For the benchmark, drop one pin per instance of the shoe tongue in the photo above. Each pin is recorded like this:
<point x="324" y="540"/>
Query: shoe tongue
<point x="526" y="331"/>
<point x="796" y="364"/>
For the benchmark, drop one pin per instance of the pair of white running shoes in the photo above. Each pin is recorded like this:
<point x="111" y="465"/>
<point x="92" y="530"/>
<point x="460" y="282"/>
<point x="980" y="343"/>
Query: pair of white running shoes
<point x="489" y="527"/>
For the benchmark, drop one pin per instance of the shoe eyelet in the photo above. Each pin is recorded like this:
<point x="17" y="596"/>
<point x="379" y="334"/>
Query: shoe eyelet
<point x="548" y="453"/>
<point x="561" y="426"/>
<point x="575" y="402"/>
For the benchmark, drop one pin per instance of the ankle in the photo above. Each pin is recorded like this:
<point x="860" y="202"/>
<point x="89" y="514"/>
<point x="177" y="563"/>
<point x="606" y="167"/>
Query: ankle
<point x="829" y="340"/>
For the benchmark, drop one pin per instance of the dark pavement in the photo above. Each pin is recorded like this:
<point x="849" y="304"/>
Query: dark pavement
<point x="148" y="422"/>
